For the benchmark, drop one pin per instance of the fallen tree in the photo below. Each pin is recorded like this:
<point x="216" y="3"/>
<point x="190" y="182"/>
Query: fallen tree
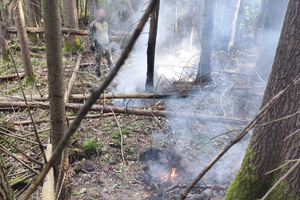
<point x="40" y="30"/>
<point x="124" y="110"/>
<point x="103" y="96"/>
<point x="12" y="76"/>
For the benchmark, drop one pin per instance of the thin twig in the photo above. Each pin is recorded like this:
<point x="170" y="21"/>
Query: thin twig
<point x="18" y="137"/>
<point x="29" y="109"/>
<point x="23" y="179"/>
<point x="292" y="134"/>
<point x="122" y="138"/>
<point x="89" y="103"/>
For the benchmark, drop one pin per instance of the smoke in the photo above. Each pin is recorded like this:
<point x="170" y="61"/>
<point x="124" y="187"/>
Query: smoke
<point x="235" y="93"/>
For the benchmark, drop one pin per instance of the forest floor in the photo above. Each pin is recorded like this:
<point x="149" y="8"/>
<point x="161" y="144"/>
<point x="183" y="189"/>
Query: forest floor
<point x="98" y="171"/>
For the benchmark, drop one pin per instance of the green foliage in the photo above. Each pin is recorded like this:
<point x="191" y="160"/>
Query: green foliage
<point x="251" y="10"/>
<point x="91" y="147"/>
<point x="117" y="137"/>
<point x="70" y="47"/>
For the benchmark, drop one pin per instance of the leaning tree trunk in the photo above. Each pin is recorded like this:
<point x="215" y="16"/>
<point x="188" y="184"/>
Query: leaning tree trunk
<point x="204" y="68"/>
<point x="270" y="147"/>
<point x="6" y="192"/>
<point x="151" y="49"/>
<point x="22" y="36"/>
<point x="71" y="22"/>
<point x="234" y="25"/>
<point x="56" y="86"/>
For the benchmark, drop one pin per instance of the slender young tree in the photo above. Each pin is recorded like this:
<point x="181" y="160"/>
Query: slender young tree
<point x="22" y="36"/>
<point x="151" y="49"/>
<point x="273" y="144"/>
<point x="71" y="21"/>
<point x="33" y="17"/>
<point x="204" y="68"/>
<point x="234" y="25"/>
<point x="53" y="38"/>
<point x="6" y="192"/>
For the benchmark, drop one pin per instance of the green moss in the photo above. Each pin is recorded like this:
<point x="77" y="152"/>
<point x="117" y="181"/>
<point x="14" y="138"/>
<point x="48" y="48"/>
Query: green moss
<point x="245" y="184"/>
<point x="117" y="137"/>
<point x="91" y="147"/>
<point x="5" y="58"/>
<point x="30" y="79"/>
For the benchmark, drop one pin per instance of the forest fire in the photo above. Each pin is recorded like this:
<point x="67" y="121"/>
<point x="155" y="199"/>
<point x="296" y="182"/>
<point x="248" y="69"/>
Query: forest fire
<point x="171" y="175"/>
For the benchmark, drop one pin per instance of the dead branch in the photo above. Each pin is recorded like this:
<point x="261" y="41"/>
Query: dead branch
<point x="69" y="118"/>
<point x="90" y="101"/>
<point x="39" y="30"/>
<point x="103" y="96"/>
<point x="73" y="79"/>
<point x="238" y="137"/>
<point x="23" y="179"/>
<point x="124" y="110"/>
<point x="12" y="76"/>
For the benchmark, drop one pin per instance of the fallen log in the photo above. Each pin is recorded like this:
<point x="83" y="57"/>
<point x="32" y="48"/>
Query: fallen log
<point x="124" y="110"/>
<point x="40" y="30"/>
<point x="103" y="96"/>
<point x="95" y="116"/>
<point x="12" y="76"/>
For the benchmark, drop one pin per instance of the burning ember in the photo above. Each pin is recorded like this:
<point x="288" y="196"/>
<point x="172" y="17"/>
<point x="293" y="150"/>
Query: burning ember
<point x="171" y="175"/>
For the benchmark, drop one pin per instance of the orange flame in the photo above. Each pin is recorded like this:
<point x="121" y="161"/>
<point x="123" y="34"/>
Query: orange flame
<point x="173" y="174"/>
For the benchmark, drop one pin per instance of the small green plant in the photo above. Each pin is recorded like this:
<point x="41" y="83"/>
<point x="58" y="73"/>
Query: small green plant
<point x="29" y="79"/>
<point x="91" y="147"/>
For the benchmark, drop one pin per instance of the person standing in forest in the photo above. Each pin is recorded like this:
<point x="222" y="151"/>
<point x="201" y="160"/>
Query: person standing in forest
<point x="100" y="40"/>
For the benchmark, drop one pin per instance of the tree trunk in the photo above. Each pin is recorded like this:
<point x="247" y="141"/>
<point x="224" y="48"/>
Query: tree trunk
<point x="71" y="22"/>
<point x="56" y="85"/>
<point x="151" y="49"/>
<point x="3" y="29"/>
<point x="33" y="14"/>
<point x="6" y="192"/>
<point x="260" y="21"/>
<point x="269" y="147"/>
<point x="234" y="25"/>
<point x="204" y="68"/>
<point x="22" y="36"/>
<point x="93" y="4"/>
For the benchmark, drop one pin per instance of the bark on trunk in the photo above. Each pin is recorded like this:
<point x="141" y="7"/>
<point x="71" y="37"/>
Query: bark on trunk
<point x="4" y="25"/>
<point x="269" y="148"/>
<point x="204" y="68"/>
<point x="56" y="84"/>
<point x="71" y="22"/>
<point x="151" y="49"/>
<point x="22" y="36"/>
<point x="6" y="192"/>
<point x="93" y="5"/>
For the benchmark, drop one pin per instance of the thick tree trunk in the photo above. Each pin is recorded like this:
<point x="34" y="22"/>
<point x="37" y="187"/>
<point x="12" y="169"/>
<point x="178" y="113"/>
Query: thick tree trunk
<point x="151" y="49"/>
<point x="6" y="192"/>
<point x="22" y="36"/>
<point x="56" y="84"/>
<point x="71" y="22"/>
<point x="204" y="68"/>
<point x="269" y="147"/>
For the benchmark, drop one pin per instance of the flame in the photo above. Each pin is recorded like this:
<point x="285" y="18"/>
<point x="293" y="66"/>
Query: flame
<point x="173" y="174"/>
